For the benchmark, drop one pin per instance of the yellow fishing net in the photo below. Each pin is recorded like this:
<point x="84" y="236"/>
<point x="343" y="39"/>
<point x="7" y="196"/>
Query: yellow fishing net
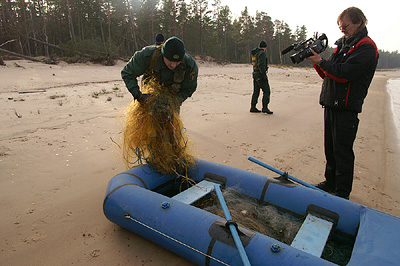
<point x="154" y="132"/>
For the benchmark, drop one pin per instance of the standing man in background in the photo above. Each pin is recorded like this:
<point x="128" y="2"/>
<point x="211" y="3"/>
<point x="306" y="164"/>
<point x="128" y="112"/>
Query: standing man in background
<point x="347" y="75"/>
<point x="260" y="80"/>
<point x="159" y="38"/>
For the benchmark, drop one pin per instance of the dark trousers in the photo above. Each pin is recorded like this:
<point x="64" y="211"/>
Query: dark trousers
<point x="340" y="133"/>
<point x="261" y="84"/>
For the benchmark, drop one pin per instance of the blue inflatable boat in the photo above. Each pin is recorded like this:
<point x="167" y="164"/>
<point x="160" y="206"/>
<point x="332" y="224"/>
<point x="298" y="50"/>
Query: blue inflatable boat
<point x="154" y="206"/>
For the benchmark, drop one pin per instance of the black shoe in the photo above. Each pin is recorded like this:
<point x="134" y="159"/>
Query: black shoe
<point x="325" y="187"/>
<point x="266" y="110"/>
<point x="254" y="110"/>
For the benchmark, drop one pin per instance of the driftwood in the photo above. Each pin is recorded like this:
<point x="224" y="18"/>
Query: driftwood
<point x="35" y="91"/>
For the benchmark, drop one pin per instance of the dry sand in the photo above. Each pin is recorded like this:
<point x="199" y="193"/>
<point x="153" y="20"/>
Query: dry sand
<point x="59" y="125"/>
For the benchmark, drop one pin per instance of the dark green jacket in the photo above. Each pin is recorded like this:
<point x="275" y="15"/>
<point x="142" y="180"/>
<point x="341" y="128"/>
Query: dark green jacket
<point x="259" y="61"/>
<point x="140" y="65"/>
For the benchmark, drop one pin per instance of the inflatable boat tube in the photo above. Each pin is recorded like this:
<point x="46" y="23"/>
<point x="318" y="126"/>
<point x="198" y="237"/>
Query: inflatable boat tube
<point x="140" y="201"/>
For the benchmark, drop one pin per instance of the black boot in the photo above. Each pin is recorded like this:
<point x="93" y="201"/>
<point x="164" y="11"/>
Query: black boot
<point x="266" y="110"/>
<point x="254" y="109"/>
<point x="325" y="186"/>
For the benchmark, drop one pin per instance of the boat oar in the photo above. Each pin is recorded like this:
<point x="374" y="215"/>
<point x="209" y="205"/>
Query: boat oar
<point x="232" y="227"/>
<point x="282" y="173"/>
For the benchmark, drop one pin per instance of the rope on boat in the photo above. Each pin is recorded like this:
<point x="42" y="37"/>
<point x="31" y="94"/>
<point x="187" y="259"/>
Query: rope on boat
<point x="173" y="239"/>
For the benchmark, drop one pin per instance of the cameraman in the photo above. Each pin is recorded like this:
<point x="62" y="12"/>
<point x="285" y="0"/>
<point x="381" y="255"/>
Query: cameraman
<point x="347" y="75"/>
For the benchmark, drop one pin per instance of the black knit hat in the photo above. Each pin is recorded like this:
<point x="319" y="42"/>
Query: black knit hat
<point x="173" y="49"/>
<point x="159" y="38"/>
<point x="262" y="44"/>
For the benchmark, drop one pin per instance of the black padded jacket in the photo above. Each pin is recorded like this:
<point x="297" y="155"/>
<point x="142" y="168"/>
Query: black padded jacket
<point x="348" y="73"/>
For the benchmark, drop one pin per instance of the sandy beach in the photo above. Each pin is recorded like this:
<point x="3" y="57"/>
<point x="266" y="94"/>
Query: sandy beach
<point x="60" y="125"/>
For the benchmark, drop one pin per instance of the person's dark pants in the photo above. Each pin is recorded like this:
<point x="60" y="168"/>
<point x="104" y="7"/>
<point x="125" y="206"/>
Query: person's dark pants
<point x="261" y="84"/>
<point x="340" y="133"/>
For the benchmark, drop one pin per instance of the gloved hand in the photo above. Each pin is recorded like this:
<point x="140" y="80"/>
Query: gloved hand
<point x="262" y="78"/>
<point x="141" y="97"/>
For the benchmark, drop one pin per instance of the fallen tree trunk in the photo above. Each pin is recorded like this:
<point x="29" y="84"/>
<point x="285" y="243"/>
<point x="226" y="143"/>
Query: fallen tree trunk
<point x="20" y="55"/>
<point x="58" y="47"/>
<point x="45" y="43"/>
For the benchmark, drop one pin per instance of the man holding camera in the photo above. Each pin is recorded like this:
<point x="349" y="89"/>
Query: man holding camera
<point x="260" y="80"/>
<point x="347" y="75"/>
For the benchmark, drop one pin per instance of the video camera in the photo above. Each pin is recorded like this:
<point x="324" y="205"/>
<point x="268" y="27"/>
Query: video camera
<point x="318" y="45"/>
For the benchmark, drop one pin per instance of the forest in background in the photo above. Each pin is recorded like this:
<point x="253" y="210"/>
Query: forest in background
<point x="107" y="30"/>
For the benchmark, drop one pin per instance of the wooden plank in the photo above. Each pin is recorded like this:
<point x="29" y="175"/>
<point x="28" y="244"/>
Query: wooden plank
<point x="313" y="235"/>
<point x="195" y="192"/>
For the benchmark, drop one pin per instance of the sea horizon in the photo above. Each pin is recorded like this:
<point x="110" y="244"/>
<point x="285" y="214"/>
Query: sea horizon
<point x="393" y="88"/>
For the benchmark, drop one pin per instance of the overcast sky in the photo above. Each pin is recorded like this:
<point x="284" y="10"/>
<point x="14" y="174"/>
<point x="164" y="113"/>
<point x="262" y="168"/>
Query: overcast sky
<point x="320" y="16"/>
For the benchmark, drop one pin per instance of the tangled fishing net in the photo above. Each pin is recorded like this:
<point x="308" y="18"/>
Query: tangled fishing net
<point x="154" y="133"/>
<point x="264" y="219"/>
<point x="268" y="220"/>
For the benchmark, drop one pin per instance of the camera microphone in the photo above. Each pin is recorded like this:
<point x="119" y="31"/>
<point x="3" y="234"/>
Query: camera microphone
<point x="288" y="49"/>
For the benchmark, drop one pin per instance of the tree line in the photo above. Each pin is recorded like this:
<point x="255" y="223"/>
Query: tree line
<point x="115" y="29"/>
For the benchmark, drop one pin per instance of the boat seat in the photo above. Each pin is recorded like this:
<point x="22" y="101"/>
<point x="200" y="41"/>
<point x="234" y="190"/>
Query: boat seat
<point x="195" y="192"/>
<point x="313" y="234"/>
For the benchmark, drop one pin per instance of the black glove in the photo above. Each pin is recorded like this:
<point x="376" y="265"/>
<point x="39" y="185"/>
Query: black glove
<point x="141" y="97"/>
<point x="262" y="78"/>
